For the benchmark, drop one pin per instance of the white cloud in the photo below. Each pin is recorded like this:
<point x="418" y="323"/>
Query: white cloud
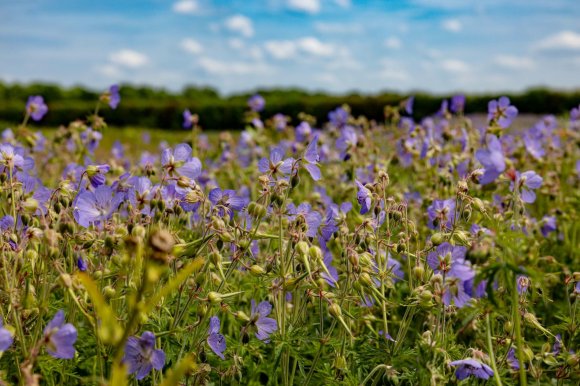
<point x="236" y="43"/>
<point x="308" y="6"/>
<point x="109" y="70"/>
<point x="241" y="24"/>
<point x="286" y="49"/>
<point x="217" y="67"/>
<point x="192" y="46"/>
<point x="393" y="71"/>
<point x="514" y="62"/>
<point x="454" y="65"/>
<point x="564" y="40"/>
<point x="452" y="25"/>
<point x="186" y="7"/>
<point x="129" y="58"/>
<point x="393" y="42"/>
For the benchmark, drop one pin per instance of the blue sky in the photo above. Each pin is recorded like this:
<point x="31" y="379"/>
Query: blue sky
<point x="339" y="46"/>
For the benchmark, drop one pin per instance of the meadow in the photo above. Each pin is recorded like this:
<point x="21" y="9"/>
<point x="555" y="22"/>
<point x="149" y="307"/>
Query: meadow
<point x="409" y="250"/>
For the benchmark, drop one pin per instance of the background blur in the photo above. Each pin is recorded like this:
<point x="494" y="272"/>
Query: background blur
<point x="208" y="55"/>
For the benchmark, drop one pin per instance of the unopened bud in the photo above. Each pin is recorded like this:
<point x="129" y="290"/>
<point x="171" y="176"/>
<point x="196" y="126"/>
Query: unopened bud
<point x="214" y="297"/>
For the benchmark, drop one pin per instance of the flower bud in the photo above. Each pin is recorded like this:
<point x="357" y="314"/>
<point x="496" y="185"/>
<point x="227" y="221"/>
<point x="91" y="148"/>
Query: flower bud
<point x="438" y="238"/>
<point x="315" y="253"/>
<point x="109" y="292"/>
<point x="241" y="316"/>
<point x="302" y="248"/>
<point x="257" y="270"/>
<point x="214" y="297"/>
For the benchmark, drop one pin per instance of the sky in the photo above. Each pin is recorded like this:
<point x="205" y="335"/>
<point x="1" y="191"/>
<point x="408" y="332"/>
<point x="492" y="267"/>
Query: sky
<point x="338" y="46"/>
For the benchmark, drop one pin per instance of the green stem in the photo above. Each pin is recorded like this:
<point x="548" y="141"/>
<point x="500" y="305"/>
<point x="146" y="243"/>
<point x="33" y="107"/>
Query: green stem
<point x="518" y="331"/>
<point x="490" y="349"/>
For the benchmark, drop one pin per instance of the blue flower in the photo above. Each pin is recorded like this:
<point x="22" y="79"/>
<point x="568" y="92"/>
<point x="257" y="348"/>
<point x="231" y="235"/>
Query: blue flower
<point x="363" y="197"/>
<point x="81" y="264"/>
<point x="548" y="225"/>
<point x="492" y="160"/>
<point x="215" y="340"/>
<point x="527" y="182"/>
<point x="312" y="157"/>
<point x="181" y="162"/>
<point x="113" y="97"/>
<point x="441" y="214"/>
<point x="265" y="326"/>
<point x="189" y="119"/>
<point x="226" y="201"/>
<point x="275" y="165"/>
<point x="256" y="103"/>
<point x="409" y="104"/>
<point x="501" y="112"/>
<point x="457" y="103"/>
<point x="96" y="174"/>
<point x="467" y="367"/>
<point x="6" y="338"/>
<point x="60" y="337"/>
<point x="141" y="355"/>
<point x="95" y="207"/>
<point x="338" y="117"/>
<point x="36" y="107"/>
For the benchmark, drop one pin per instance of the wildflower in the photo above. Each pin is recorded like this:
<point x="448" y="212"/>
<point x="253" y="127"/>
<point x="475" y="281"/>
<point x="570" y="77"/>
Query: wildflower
<point x="112" y="96"/>
<point x="275" y="165"/>
<point x="81" y="264"/>
<point x="94" y="207"/>
<point x="312" y="218"/>
<point x="256" y="103"/>
<point x="215" y="340"/>
<point x="96" y="174"/>
<point x="501" y="112"/>
<point x="6" y="338"/>
<point x="189" y="119"/>
<point x="60" y="338"/>
<point x="280" y="121"/>
<point x="512" y="360"/>
<point x="457" y="103"/>
<point x="303" y="131"/>
<point x="527" y="182"/>
<point x="6" y="223"/>
<point x="338" y="117"/>
<point x="522" y="284"/>
<point x="312" y="157"/>
<point x="467" y="367"/>
<point x="91" y="139"/>
<point x="346" y="142"/>
<point x="558" y="345"/>
<point x="534" y="141"/>
<point x="492" y="160"/>
<point x="363" y="197"/>
<point x="265" y="325"/>
<point x="36" y="107"/>
<point x="450" y="260"/>
<point x="181" y="162"/>
<point x="140" y="194"/>
<point x="409" y="104"/>
<point x="226" y="200"/>
<point x="141" y="355"/>
<point x="548" y="225"/>
<point x="441" y="214"/>
<point x="9" y="158"/>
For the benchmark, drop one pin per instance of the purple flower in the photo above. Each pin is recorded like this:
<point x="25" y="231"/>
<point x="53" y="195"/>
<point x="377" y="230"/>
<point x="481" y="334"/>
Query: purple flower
<point x="363" y="197"/>
<point x="346" y="142"/>
<point x="409" y="104"/>
<point x="280" y="121"/>
<point x="36" y="107"/>
<point x="5" y="337"/>
<point x="81" y="264"/>
<point x="140" y="194"/>
<point x="60" y="337"/>
<point x="548" y="225"/>
<point x="6" y="223"/>
<point x="522" y="284"/>
<point x="226" y="201"/>
<point x="141" y="355"/>
<point x="113" y="96"/>
<point x="181" y="162"/>
<point x="458" y="103"/>
<point x="527" y="182"/>
<point x="256" y="103"/>
<point x="10" y="159"/>
<point x="265" y="325"/>
<point x="512" y="360"/>
<point x="215" y="340"/>
<point x="94" y="207"/>
<point x="338" y="117"/>
<point x="441" y="214"/>
<point x="395" y="268"/>
<point x="492" y="160"/>
<point x="312" y="157"/>
<point x="275" y="165"/>
<point x="96" y="174"/>
<point x="450" y="260"/>
<point x="501" y="112"/>
<point x="189" y="119"/>
<point x="467" y="367"/>
<point x="303" y="131"/>
<point x="558" y="345"/>
<point x="312" y="218"/>
<point x="534" y="142"/>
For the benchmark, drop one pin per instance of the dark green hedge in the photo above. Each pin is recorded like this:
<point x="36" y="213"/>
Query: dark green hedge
<point x="159" y="108"/>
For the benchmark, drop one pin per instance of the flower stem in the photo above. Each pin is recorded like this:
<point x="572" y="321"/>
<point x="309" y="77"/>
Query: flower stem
<point x="490" y="349"/>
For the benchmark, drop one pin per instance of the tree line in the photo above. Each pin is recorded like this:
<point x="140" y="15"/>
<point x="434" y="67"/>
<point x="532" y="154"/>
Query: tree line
<point x="150" y="107"/>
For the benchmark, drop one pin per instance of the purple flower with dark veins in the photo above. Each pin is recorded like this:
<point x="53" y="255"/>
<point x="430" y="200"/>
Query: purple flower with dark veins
<point x="311" y="218"/>
<point x="501" y="111"/>
<point x="94" y="207"/>
<point x="256" y="103"/>
<point x="275" y="165"/>
<point x="36" y="107"/>
<point x="141" y="355"/>
<point x="527" y="182"/>
<point x="492" y="160"/>
<point x="215" y="340"/>
<point x="265" y="326"/>
<point x="467" y="367"/>
<point x="226" y="201"/>
<point x="181" y="162"/>
<point x="441" y="214"/>
<point x="60" y="337"/>
<point x="312" y="157"/>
